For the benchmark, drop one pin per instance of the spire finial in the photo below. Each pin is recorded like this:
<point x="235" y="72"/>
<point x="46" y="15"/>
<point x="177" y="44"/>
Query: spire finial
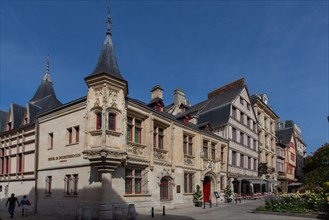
<point x="47" y="75"/>
<point x="108" y="20"/>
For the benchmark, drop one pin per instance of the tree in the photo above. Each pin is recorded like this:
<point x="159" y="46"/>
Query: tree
<point x="316" y="170"/>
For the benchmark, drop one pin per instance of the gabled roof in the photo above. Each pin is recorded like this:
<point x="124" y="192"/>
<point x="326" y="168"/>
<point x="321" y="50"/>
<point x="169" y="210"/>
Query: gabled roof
<point x="284" y="135"/>
<point x="107" y="62"/>
<point x="18" y="115"/>
<point x="216" y="109"/>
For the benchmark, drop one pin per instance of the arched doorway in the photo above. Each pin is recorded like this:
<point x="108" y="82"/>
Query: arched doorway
<point x="165" y="189"/>
<point x="206" y="188"/>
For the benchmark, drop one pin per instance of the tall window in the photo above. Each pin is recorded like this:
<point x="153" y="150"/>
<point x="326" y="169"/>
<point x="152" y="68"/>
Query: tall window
<point x="248" y="141"/>
<point x="133" y="181"/>
<point x="213" y="151"/>
<point x="50" y="141"/>
<point x="234" y="136"/>
<point x="112" y="122"/>
<point x="188" y="145"/>
<point x="234" y="162"/>
<point x="158" y="137"/>
<point x="2" y="161"/>
<point x="235" y="114"/>
<point x="130" y="126"/>
<point x="222" y="157"/>
<point x="7" y="164"/>
<point x="48" y="185"/>
<point x="241" y="138"/>
<point x="134" y="130"/>
<point x="188" y="182"/>
<point x="205" y="150"/>
<point x="20" y="163"/>
<point x="71" y="184"/>
<point x="241" y="160"/>
<point x="98" y="120"/>
<point x="242" y="118"/>
<point x="69" y="134"/>
<point x="77" y="133"/>
<point x="249" y="162"/>
<point x="138" y="131"/>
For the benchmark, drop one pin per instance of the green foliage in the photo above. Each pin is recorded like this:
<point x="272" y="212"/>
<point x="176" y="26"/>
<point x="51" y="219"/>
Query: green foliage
<point x="198" y="193"/>
<point x="305" y="202"/>
<point x="228" y="192"/>
<point x="316" y="170"/>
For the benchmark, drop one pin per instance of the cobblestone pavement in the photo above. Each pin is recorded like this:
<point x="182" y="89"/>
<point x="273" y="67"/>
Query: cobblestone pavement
<point x="243" y="211"/>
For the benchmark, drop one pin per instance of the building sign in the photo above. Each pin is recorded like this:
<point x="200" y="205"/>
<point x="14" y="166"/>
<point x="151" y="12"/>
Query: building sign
<point x="64" y="157"/>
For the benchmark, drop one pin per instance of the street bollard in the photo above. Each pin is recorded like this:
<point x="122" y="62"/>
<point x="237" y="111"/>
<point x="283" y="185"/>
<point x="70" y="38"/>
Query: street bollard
<point x="204" y="204"/>
<point x="152" y="212"/>
<point x="164" y="210"/>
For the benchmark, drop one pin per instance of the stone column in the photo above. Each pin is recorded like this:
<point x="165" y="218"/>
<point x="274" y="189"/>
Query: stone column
<point x="106" y="187"/>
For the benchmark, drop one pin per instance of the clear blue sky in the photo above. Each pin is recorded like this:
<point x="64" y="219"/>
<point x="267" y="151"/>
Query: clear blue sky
<point x="280" y="47"/>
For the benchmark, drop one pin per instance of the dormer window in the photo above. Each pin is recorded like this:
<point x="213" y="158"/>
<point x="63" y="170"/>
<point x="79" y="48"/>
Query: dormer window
<point x="98" y="120"/>
<point x="8" y="126"/>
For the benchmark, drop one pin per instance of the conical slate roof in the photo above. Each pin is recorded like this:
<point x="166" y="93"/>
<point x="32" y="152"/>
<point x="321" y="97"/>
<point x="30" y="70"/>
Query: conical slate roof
<point x="107" y="62"/>
<point x="46" y="92"/>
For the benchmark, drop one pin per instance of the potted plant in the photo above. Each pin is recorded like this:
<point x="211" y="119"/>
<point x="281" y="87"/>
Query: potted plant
<point x="197" y="197"/>
<point x="228" y="194"/>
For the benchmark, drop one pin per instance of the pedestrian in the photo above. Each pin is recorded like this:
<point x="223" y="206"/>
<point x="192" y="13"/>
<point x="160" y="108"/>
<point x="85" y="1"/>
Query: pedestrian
<point x="12" y="204"/>
<point x="25" y="203"/>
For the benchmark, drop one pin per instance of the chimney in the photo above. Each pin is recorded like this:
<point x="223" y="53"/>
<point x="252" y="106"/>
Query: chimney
<point x="179" y="97"/>
<point x="156" y="93"/>
<point x="156" y="98"/>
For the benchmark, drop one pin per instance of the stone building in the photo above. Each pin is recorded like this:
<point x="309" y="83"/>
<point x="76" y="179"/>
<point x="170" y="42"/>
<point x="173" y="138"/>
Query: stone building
<point x="108" y="149"/>
<point x="267" y="139"/>
<point x="18" y="139"/>
<point x="228" y="113"/>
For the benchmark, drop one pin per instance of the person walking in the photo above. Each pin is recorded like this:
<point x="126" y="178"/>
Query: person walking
<point x="12" y="204"/>
<point x="25" y="203"/>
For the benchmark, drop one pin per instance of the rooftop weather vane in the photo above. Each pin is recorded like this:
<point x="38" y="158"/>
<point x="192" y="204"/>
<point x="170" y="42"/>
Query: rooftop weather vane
<point x="47" y="75"/>
<point x="108" y="19"/>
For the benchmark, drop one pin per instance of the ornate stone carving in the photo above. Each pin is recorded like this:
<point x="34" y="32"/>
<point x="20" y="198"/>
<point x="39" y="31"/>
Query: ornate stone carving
<point x="136" y="149"/>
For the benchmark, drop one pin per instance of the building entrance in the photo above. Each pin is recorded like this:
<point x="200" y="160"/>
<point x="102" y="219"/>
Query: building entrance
<point x="206" y="189"/>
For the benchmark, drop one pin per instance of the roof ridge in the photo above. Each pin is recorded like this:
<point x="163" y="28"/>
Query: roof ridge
<point x="223" y="89"/>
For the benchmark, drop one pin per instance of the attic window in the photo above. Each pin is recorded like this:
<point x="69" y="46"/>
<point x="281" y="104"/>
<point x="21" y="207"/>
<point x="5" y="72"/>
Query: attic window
<point x="8" y="126"/>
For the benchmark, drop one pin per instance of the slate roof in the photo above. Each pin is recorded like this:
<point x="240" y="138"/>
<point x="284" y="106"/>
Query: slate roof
<point x="284" y="136"/>
<point x="173" y="118"/>
<point x="18" y="115"/>
<point x="3" y="120"/>
<point x="216" y="116"/>
<point x="216" y="109"/>
<point x="33" y="111"/>
<point x="107" y="62"/>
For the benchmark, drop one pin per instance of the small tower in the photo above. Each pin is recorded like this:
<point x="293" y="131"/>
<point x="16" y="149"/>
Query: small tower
<point x="106" y="116"/>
